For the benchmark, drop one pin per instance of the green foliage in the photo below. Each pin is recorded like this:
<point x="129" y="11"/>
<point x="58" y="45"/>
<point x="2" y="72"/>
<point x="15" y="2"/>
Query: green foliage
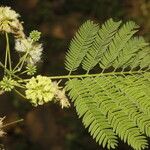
<point x="100" y="44"/>
<point x="80" y="45"/>
<point x="114" y="103"/>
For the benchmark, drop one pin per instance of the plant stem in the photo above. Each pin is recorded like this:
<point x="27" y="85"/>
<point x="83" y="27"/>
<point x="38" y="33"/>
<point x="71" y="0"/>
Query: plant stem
<point x="24" y="72"/>
<point x="21" y="62"/>
<point x="20" y="93"/>
<point x="8" y="71"/>
<point x="11" y="123"/>
<point x="8" y="51"/>
<point x="5" y="66"/>
<point x="94" y="75"/>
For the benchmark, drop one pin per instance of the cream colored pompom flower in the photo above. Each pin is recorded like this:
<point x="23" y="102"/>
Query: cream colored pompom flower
<point x="8" y="19"/>
<point x="40" y="90"/>
<point x="34" y="49"/>
<point x="23" y="45"/>
<point x="8" y="13"/>
<point x="35" y="54"/>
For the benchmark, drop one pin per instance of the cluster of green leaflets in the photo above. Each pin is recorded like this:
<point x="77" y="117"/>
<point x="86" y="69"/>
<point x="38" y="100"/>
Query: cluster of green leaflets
<point x="115" y="102"/>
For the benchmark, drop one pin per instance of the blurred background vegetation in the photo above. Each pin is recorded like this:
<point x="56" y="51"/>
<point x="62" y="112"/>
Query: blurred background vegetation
<point x="49" y="127"/>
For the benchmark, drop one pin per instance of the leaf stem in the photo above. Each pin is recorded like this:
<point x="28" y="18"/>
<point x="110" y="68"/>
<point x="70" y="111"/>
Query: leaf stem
<point x="94" y="75"/>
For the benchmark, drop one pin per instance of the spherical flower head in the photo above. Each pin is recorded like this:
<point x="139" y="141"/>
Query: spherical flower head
<point x="7" y="84"/>
<point x="40" y="90"/>
<point x="33" y="49"/>
<point x="8" y="13"/>
<point x="8" y="18"/>
<point x="35" y="54"/>
<point x="35" y="35"/>
<point x="23" y="45"/>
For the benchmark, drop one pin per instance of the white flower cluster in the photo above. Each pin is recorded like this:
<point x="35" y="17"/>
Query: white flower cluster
<point x="33" y="49"/>
<point x="9" y="22"/>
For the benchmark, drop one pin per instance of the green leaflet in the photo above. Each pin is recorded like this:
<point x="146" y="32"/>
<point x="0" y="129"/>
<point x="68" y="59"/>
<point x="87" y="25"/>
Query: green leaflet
<point x="123" y="36"/>
<point x="100" y="44"/>
<point x="92" y="117"/>
<point x="129" y="52"/>
<point x="111" y="45"/>
<point x="80" y="45"/>
<point x="141" y="58"/>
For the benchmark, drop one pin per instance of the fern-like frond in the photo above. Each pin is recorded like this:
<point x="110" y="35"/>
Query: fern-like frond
<point x="115" y="103"/>
<point x="118" y="43"/>
<point x="111" y="45"/>
<point x="145" y="62"/>
<point x="136" y="108"/>
<point x="129" y="52"/>
<point x="93" y="118"/>
<point x="100" y="98"/>
<point x="80" y="45"/>
<point x="100" y="44"/>
<point x="141" y="59"/>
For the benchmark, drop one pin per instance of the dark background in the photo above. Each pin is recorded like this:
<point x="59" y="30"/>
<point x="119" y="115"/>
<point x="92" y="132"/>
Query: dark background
<point x="48" y="127"/>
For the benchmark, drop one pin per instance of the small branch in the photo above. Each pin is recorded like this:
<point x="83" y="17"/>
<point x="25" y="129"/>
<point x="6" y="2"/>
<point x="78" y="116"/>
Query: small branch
<point x="9" y="72"/>
<point x="20" y="93"/>
<point x="11" y="123"/>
